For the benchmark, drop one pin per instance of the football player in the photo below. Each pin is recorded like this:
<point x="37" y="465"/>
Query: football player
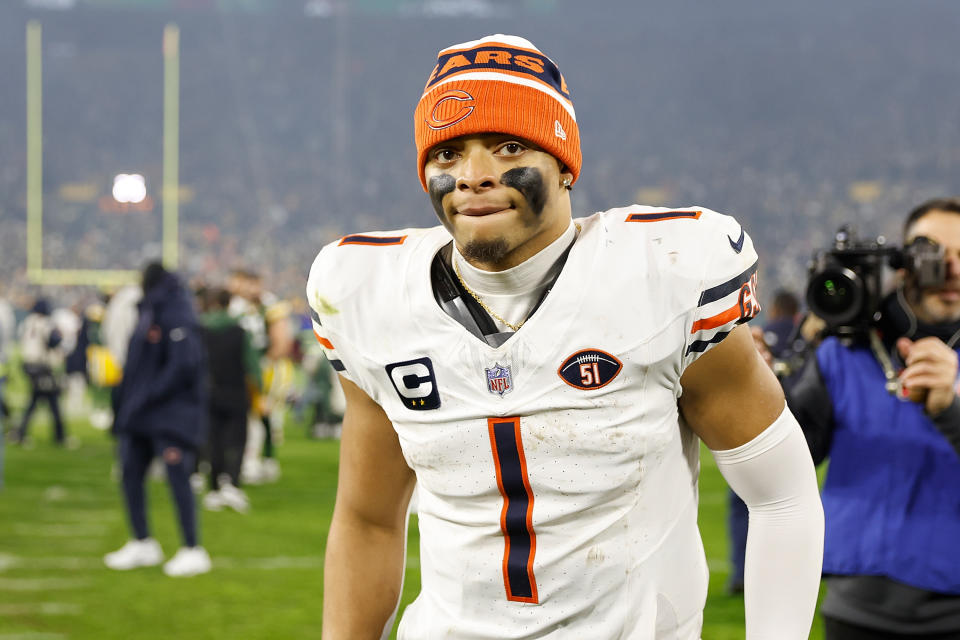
<point x="544" y="383"/>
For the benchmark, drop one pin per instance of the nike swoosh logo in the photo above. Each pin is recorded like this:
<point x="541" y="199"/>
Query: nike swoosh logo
<point x="738" y="245"/>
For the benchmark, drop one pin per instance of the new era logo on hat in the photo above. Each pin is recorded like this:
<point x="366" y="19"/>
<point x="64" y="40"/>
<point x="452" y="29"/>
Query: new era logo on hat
<point x="498" y="84"/>
<point x="558" y="130"/>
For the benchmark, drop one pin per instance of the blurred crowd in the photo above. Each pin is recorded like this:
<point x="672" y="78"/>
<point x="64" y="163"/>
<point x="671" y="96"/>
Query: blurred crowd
<point x="262" y="369"/>
<point x="273" y="138"/>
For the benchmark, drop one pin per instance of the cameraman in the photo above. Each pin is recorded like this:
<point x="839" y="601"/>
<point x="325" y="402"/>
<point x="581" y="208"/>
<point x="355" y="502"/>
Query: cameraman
<point x="892" y="491"/>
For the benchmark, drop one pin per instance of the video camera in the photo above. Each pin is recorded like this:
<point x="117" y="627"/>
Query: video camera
<point x="845" y="284"/>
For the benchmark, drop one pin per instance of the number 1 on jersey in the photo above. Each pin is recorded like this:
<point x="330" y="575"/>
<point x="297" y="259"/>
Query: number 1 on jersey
<point x="516" y="517"/>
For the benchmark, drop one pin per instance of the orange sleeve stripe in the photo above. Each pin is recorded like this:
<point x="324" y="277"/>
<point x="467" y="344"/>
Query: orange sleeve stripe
<point x="323" y="340"/>
<point x="722" y="318"/>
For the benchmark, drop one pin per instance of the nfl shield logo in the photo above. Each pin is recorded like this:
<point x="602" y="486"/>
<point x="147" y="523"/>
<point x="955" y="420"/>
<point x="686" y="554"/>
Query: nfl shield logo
<point x="499" y="380"/>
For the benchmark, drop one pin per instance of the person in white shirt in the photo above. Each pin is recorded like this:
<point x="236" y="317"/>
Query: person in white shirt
<point x="40" y="350"/>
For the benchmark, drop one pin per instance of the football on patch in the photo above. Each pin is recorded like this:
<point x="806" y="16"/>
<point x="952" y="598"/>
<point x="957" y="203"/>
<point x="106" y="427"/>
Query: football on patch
<point x="589" y="369"/>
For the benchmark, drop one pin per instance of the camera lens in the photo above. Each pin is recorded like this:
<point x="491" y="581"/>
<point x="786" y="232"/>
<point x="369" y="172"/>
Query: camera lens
<point x="835" y="295"/>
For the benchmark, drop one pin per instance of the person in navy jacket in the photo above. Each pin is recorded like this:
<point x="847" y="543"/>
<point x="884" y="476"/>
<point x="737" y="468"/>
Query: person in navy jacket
<point x="160" y="409"/>
<point x="892" y="492"/>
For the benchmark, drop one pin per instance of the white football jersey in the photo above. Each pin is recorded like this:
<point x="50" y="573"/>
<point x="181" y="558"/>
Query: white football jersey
<point x="557" y="484"/>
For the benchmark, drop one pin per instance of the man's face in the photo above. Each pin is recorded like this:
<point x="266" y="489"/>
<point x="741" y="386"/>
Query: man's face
<point x="499" y="196"/>
<point x="936" y="305"/>
<point x="235" y="284"/>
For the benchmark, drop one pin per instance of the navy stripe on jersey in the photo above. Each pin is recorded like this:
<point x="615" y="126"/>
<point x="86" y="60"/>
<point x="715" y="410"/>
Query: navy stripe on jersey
<point x="337" y="365"/>
<point x="315" y="316"/>
<point x="511" y="472"/>
<point x="662" y="215"/>
<point x="724" y="289"/>
<point x="701" y="345"/>
<point x="372" y="240"/>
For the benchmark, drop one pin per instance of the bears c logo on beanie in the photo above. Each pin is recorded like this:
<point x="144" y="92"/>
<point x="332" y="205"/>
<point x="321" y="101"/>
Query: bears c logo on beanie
<point x="446" y="113"/>
<point x="498" y="84"/>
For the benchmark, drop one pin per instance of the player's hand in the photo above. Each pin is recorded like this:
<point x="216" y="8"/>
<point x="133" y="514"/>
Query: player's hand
<point x="930" y="374"/>
<point x="761" y="345"/>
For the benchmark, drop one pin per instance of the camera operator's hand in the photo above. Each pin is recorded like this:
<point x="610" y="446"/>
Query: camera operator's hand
<point x="930" y="374"/>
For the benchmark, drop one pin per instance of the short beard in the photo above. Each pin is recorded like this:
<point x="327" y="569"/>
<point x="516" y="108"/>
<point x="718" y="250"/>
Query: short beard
<point x="486" y="251"/>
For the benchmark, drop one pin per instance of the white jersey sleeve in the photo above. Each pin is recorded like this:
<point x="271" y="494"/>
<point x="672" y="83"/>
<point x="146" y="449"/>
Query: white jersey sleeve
<point x="706" y="269"/>
<point x="344" y="272"/>
<point x="728" y="283"/>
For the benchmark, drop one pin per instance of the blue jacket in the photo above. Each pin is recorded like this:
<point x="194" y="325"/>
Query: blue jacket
<point x="892" y="493"/>
<point x="163" y="392"/>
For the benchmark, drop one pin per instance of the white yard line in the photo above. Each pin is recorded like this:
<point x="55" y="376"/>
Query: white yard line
<point x="277" y="562"/>
<point x="61" y="530"/>
<point x="82" y="563"/>
<point x="41" y="608"/>
<point x="30" y="635"/>
<point x="68" y="563"/>
<point x="78" y="516"/>
<point x="42" y="584"/>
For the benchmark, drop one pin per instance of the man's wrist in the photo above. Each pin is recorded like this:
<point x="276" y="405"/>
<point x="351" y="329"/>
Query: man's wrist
<point x="950" y="414"/>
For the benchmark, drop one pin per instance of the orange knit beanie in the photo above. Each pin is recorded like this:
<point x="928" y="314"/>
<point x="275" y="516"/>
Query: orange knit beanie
<point x="498" y="84"/>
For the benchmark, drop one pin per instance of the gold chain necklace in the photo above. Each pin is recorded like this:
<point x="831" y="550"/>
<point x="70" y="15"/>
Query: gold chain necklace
<point x="497" y="316"/>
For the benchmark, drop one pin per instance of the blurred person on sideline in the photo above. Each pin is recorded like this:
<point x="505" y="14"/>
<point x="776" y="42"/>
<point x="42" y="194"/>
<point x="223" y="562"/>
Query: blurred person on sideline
<point x="545" y="382"/>
<point x="160" y="410"/>
<point x="249" y="303"/>
<point x="42" y="360"/>
<point x="279" y="382"/>
<point x="77" y="363"/>
<point x="233" y="365"/>
<point x="8" y="327"/>
<point x="120" y="316"/>
<point x="68" y="322"/>
<point x="8" y="330"/>
<point x="777" y="334"/>
<point x="321" y="388"/>
<point x="892" y="490"/>
<point x="103" y="372"/>
<point x="783" y="318"/>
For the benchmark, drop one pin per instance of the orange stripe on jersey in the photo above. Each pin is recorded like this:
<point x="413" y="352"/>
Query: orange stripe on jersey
<point x="323" y="340"/>
<point x="722" y="318"/>
<point x="372" y="241"/>
<point x="664" y="215"/>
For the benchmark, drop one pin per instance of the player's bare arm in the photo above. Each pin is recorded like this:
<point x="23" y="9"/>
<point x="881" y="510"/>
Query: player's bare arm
<point x="732" y="400"/>
<point x="364" y="562"/>
<point x="729" y="394"/>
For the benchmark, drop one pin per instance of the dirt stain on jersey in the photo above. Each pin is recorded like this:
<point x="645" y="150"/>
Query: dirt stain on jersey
<point x="595" y="556"/>
<point x="322" y="305"/>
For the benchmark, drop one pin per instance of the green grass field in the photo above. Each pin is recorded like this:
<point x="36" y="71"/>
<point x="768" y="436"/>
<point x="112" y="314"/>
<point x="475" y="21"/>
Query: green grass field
<point x="60" y="512"/>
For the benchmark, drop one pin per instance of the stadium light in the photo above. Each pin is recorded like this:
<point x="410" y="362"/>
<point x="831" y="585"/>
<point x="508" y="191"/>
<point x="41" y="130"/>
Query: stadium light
<point x="129" y="188"/>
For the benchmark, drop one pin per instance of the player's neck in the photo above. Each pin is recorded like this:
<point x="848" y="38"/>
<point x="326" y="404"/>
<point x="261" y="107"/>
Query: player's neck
<point x="522" y="278"/>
